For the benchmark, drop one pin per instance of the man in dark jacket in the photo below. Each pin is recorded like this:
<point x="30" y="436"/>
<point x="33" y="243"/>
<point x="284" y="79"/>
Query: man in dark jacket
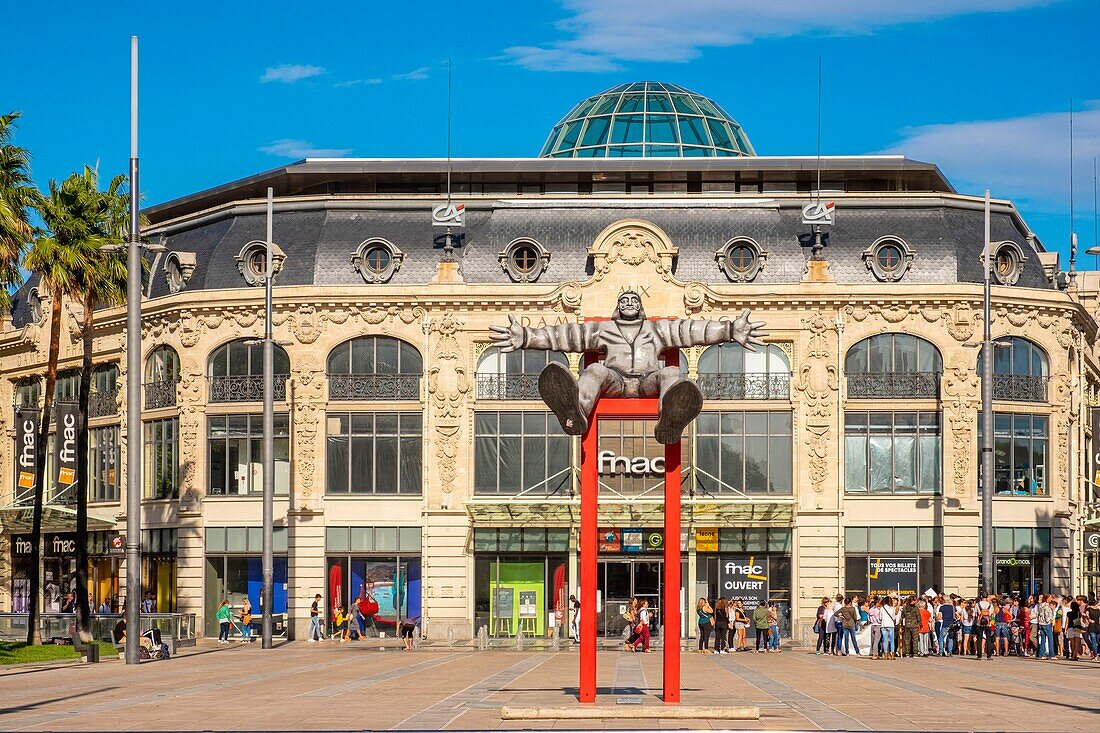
<point x="910" y="632"/>
<point x="849" y="624"/>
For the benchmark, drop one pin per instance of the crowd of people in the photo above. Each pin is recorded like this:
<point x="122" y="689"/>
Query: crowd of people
<point x="729" y="622"/>
<point x="1043" y="626"/>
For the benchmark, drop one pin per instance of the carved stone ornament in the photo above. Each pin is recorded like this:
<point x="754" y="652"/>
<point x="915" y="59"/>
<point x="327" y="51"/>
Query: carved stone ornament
<point x="819" y="384"/>
<point x="178" y="268"/>
<point x="252" y="262"/>
<point x="741" y="259"/>
<point x="377" y="260"/>
<point x="961" y="399"/>
<point x="632" y="242"/>
<point x="524" y="260"/>
<point x="448" y="380"/>
<point x="888" y="258"/>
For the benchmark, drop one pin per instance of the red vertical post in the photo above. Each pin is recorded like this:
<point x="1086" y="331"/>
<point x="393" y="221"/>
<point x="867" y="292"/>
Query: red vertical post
<point x="589" y="543"/>
<point x="672" y="602"/>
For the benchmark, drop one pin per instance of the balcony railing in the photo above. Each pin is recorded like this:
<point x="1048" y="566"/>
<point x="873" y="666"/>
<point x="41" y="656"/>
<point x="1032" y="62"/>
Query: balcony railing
<point x="367" y="387"/>
<point x="751" y="386"/>
<point x="508" y="386"/>
<point x="103" y="403"/>
<point x="160" y="394"/>
<point x="1020" y="387"/>
<point x="894" y="385"/>
<point x="244" y="388"/>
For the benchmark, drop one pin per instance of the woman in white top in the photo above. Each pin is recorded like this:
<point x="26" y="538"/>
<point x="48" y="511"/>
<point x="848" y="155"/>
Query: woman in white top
<point x="830" y="628"/>
<point x="889" y="619"/>
<point x="966" y="621"/>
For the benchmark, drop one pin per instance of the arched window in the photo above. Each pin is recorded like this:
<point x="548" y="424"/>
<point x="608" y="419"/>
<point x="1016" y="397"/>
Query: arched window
<point x="236" y="372"/>
<point x="103" y="400"/>
<point x="162" y="374"/>
<point x="1019" y="370"/>
<point x="893" y="366"/>
<point x="731" y="372"/>
<point x="515" y="375"/>
<point x="374" y="368"/>
<point x="28" y="392"/>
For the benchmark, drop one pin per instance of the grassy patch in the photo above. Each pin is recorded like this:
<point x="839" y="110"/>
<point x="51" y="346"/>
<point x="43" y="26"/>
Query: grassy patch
<point x="19" y="653"/>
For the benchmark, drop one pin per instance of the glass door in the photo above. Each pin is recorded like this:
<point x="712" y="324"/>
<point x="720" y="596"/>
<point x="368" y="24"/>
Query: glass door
<point x="618" y="581"/>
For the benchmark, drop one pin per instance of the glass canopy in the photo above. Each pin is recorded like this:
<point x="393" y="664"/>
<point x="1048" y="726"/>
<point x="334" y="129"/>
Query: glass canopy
<point x="646" y="119"/>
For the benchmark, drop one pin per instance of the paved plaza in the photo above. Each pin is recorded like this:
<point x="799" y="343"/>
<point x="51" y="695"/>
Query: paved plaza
<point x="330" y="686"/>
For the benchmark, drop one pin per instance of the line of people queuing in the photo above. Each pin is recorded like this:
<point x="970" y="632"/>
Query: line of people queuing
<point x="729" y="621"/>
<point x="1043" y="626"/>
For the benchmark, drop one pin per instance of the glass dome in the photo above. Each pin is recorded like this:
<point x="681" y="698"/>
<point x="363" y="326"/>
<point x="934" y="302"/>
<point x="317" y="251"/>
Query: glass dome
<point x="643" y="120"/>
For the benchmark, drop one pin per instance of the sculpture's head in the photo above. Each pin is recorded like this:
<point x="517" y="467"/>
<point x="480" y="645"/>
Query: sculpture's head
<point x="628" y="307"/>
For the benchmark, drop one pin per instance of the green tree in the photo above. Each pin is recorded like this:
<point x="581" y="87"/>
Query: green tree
<point x="17" y="196"/>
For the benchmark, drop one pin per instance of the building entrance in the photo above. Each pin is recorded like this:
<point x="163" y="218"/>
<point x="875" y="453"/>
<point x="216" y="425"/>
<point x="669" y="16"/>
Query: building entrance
<point x="618" y="580"/>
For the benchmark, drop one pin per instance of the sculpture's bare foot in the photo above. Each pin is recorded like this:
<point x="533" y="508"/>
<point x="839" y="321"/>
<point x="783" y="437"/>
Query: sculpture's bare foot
<point x="558" y="389"/>
<point x="679" y="405"/>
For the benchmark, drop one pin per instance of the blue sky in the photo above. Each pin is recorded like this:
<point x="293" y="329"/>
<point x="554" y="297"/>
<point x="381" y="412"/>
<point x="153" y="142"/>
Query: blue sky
<point x="981" y="87"/>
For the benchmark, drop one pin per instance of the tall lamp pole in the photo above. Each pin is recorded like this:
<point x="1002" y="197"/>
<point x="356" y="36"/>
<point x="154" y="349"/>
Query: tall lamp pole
<point x="988" y="480"/>
<point x="133" y="389"/>
<point x="269" y="439"/>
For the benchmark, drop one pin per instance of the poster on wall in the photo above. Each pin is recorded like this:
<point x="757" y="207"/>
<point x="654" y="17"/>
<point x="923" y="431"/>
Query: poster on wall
<point x="894" y="575"/>
<point x="706" y="539"/>
<point x="528" y="607"/>
<point x="64" y="452"/>
<point x="609" y="540"/>
<point x="744" y="578"/>
<point x="504" y="598"/>
<point x="633" y="539"/>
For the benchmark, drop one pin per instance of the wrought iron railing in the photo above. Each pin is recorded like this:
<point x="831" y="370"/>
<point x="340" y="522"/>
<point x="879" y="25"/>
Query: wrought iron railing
<point x="103" y="403"/>
<point x="244" y="388"/>
<point x="894" y="385"/>
<point x="1020" y="387"/>
<point x="751" y="386"/>
<point x="368" y="387"/>
<point x="160" y="394"/>
<point x="508" y="386"/>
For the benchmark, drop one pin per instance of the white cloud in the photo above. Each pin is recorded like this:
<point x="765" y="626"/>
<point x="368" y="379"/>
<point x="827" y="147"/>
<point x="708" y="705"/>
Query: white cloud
<point x="290" y="73"/>
<point x="602" y="32"/>
<point x="289" y="148"/>
<point x="414" y="75"/>
<point x="357" y="82"/>
<point x="1024" y="158"/>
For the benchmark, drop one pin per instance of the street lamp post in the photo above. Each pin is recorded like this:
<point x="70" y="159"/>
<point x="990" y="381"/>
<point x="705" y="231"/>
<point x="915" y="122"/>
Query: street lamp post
<point x="988" y="480"/>
<point x="269" y="439"/>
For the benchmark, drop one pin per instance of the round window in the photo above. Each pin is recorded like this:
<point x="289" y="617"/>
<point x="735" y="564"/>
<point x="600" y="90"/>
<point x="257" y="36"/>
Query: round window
<point x="1006" y="262"/>
<point x="889" y="257"/>
<point x="175" y="277"/>
<point x="525" y="259"/>
<point x="377" y="259"/>
<point x="257" y="262"/>
<point x="741" y="258"/>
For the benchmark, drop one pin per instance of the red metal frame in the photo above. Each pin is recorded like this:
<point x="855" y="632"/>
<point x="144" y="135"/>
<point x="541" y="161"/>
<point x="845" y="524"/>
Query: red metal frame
<point x="627" y="408"/>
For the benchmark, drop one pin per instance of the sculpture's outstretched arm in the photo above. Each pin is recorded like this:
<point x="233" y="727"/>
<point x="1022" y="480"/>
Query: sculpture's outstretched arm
<point x="682" y="333"/>
<point x="565" y="337"/>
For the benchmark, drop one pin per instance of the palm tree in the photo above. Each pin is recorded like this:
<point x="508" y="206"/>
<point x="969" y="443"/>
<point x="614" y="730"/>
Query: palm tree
<point x="59" y="261"/>
<point x="103" y="283"/>
<point x="17" y="196"/>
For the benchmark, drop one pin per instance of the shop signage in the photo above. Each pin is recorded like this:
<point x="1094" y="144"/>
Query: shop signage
<point x="1013" y="562"/>
<point x="64" y="458"/>
<point x="1092" y="541"/>
<point x="26" y="443"/>
<point x="892" y="575"/>
<point x="611" y="464"/>
<point x="449" y="215"/>
<point x="609" y="540"/>
<point x="116" y="544"/>
<point x="1094" y="417"/>
<point x="505" y="601"/>
<point x="654" y="540"/>
<point x="54" y="544"/>
<point x="819" y="213"/>
<point x="706" y="540"/>
<point x="744" y="578"/>
<point x="633" y="540"/>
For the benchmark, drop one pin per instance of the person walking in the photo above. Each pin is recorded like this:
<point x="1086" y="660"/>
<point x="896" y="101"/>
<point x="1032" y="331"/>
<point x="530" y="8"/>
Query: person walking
<point x="1094" y="628"/>
<point x="773" y="628"/>
<point x="223" y="616"/>
<point x="1044" y="617"/>
<point x="889" y="618"/>
<point x="910" y="628"/>
<point x="705" y="616"/>
<point x="740" y="623"/>
<point x="575" y="627"/>
<point x="721" y="626"/>
<point x="874" y="617"/>
<point x="760" y="623"/>
<point x="316" y="631"/>
<point x="246" y="621"/>
<point x="821" y="626"/>
<point x="849" y="621"/>
<point x="945" y="618"/>
<point x="643" y="626"/>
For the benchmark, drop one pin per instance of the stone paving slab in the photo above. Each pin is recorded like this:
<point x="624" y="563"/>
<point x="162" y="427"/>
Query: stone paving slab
<point x="332" y="686"/>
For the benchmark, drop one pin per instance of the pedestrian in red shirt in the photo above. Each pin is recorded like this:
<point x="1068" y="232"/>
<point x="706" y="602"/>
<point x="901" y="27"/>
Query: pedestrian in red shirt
<point x="1023" y="621"/>
<point x="925" y="629"/>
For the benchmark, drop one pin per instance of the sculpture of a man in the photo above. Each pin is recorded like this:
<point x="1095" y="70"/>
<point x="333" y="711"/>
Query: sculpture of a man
<point x="632" y="347"/>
